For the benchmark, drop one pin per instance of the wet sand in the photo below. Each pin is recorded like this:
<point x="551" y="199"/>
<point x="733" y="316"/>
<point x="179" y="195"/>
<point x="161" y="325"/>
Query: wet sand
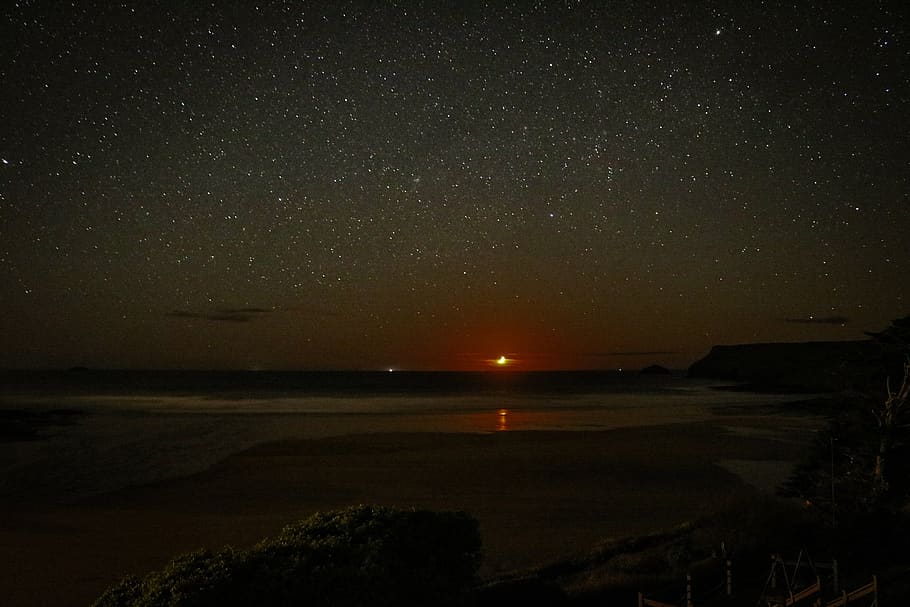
<point x="538" y="496"/>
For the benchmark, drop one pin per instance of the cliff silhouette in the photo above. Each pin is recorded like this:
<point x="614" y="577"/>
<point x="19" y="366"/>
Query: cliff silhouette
<point x="819" y="366"/>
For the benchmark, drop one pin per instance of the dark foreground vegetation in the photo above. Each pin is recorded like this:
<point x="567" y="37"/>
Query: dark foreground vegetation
<point x="364" y="555"/>
<point x="375" y="556"/>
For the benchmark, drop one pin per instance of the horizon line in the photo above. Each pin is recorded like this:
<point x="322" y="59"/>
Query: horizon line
<point x="491" y="371"/>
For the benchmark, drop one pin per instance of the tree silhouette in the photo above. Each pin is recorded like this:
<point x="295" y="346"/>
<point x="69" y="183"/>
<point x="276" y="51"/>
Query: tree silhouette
<point x="861" y="462"/>
<point x="890" y="413"/>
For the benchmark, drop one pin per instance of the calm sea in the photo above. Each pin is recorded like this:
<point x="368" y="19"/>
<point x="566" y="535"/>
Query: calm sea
<point x="80" y="433"/>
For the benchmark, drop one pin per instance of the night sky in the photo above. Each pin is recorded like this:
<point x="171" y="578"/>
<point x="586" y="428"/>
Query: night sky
<point x="431" y="185"/>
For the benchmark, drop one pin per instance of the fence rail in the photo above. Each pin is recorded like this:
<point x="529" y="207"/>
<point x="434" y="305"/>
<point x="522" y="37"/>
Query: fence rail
<point x="804" y="593"/>
<point x="643" y="602"/>
<point x="846" y="598"/>
<point x="862" y="591"/>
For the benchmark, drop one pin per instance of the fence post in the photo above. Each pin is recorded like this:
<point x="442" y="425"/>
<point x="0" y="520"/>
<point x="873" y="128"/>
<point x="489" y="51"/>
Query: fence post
<point x="834" y="570"/>
<point x="729" y="578"/>
<point x="688" y="590"/>
<point x="641" y="601"/>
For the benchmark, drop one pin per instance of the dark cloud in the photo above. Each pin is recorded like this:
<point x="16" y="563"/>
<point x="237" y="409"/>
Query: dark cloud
<point x="182" y="314"/>
<point x="819" y="320"/>
<point x="312" y="310"/>
<point x="634" y="353"/>
<point x="223" y="315"/>
<point x="247" y="310"/>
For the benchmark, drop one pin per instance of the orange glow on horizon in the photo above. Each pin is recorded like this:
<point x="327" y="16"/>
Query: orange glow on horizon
<point x="484" y="344"/>
<point x="503" y="362"/>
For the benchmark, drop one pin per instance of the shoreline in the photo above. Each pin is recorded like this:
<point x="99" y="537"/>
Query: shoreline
<point x="539" y="495"/>
<point x="138" y="440"/>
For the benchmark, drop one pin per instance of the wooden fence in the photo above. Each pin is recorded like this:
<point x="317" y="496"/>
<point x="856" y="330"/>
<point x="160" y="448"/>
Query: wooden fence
<point x="846" y="598"/>
<point x="863" y="591"/>
<point x="804" y="593"/>
<point x="645" y="602"/>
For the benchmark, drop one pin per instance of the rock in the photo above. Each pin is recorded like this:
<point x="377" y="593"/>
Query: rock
<point x="655" y="370"/>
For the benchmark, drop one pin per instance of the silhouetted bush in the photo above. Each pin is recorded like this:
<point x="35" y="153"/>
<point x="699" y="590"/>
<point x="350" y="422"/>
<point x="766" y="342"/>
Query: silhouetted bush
<point x="360" y="556"/>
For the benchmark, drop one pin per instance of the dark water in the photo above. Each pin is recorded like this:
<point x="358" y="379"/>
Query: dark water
<point x="78" y="433"/>
<point x="274" y="383"/>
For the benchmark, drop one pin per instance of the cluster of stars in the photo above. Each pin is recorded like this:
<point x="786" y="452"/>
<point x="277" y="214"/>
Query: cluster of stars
<point x="390" y="174"/>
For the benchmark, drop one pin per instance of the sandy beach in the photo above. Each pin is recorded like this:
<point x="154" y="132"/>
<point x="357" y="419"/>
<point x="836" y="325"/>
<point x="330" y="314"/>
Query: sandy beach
<point x="539" y="495"/>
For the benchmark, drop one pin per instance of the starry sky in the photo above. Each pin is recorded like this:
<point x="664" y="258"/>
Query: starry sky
<point x="431" y="185"/>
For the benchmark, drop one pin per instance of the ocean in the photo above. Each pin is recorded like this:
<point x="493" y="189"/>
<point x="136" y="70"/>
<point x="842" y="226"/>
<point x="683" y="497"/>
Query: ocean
<point x="79" y="433"/>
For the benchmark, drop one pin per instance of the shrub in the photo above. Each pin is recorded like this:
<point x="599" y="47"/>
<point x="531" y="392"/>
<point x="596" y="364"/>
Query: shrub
<point x="364" y="555"/>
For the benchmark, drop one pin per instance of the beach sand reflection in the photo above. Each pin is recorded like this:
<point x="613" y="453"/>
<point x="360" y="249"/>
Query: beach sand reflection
<point x="503" y="423"/>
<point x="506" y="419"/>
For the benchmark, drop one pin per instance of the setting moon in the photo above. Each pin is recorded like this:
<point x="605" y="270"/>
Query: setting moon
<point x="502" y="360"/>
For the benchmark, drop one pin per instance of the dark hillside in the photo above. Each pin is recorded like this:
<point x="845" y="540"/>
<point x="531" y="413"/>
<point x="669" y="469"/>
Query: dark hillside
<point x="809" y="366"/>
